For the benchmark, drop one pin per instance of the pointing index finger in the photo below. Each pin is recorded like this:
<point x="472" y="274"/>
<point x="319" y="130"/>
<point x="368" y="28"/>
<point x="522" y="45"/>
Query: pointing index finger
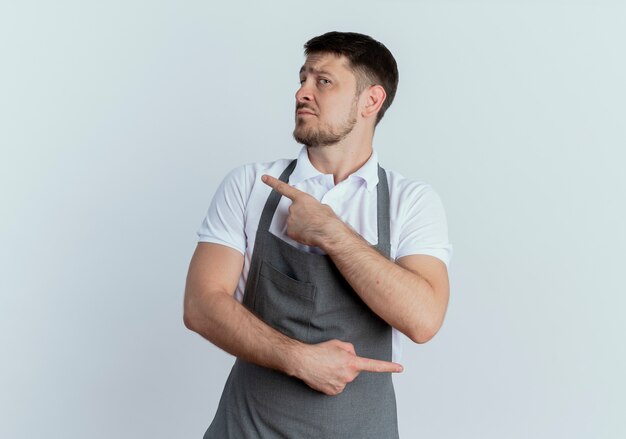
<point x="371" y="365"/>
<point x="281" y="187"/>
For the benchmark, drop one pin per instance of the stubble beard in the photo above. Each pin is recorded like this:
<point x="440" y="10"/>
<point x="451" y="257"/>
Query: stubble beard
<point x="325" y="135"/>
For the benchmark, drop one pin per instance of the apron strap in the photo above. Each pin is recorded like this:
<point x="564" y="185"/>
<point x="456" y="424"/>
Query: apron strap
<point x="249" y="294"/>
<point x="272" y="201"/>
<point x="384" y="235"/>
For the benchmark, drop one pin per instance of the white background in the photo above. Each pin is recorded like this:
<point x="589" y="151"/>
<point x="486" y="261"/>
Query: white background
<point x="118" y="120"/>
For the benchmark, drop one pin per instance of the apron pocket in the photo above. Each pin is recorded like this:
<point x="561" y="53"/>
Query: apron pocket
<point x="284" y="303"/>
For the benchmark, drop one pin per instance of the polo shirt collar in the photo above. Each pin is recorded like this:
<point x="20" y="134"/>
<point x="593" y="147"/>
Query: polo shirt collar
<point x="305" y="170"/>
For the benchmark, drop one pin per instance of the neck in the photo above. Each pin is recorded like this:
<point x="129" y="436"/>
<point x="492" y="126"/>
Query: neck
<point x="341" y="159"/>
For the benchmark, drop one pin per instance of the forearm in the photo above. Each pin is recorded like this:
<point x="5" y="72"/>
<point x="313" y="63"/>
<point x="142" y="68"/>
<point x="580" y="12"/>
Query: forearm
<point x="399" y="296"/>
<point x="326" y="367"/>
<point x="211" y="310"/>
<point x="225" y="322"/>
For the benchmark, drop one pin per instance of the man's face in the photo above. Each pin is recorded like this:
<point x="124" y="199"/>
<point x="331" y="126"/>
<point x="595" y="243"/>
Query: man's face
<point x="326" y="102"/>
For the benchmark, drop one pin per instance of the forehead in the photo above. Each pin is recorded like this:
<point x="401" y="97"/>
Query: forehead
<point x="329" y="63"/>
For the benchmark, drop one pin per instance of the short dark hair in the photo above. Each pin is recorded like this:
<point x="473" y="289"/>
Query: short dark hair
<point x="371" y="62"/>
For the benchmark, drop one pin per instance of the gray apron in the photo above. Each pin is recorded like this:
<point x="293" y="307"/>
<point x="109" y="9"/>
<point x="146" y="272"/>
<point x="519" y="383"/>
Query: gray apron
<point x="304" y="296"/>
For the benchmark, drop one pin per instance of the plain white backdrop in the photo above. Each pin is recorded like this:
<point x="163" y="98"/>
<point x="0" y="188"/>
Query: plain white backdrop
<point x="119" y="119"/>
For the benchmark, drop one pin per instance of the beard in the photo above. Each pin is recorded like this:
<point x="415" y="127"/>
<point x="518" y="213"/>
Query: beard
<point x="326" y="134"/>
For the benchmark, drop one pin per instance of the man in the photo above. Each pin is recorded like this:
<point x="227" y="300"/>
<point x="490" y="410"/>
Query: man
<point x="308" y="271"/>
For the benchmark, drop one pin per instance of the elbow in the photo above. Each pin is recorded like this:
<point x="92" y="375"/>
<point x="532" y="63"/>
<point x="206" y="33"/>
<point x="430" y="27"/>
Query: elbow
<point x="423" y="330"/>
<point x="189" y="316"/>
<point x="188" y="320"/>
<point x="423" y="333"/>
<point x="202" y="308"/>
<point x="417" y="339"/>
<point x="420" y="337"/>
<point x="197" y="310"/>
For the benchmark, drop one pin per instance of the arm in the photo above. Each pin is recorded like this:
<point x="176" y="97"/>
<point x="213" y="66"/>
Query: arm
<point x="411" y="295"/>
<point x="211" y="310"/>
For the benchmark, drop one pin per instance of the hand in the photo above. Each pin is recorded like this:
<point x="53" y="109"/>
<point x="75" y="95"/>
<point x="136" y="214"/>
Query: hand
<point x="309" y="222"/>
<point x="329" y="366"/>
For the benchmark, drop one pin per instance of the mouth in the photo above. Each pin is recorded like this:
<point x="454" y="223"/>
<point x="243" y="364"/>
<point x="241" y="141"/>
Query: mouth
<point x="304" y="111"/>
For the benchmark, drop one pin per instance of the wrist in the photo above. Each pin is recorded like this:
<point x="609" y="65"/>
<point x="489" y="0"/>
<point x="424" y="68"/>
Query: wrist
<point x="336" y="234"/>
<point x="292" y="358"/>
<point x="341" y="239"/>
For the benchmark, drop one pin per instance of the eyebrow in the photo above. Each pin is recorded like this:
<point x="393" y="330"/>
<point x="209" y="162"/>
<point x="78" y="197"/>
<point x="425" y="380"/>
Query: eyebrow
<point x="314" y="70"/>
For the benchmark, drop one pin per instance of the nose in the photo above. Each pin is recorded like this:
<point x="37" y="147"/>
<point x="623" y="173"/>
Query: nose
<point x="304" y="93"/>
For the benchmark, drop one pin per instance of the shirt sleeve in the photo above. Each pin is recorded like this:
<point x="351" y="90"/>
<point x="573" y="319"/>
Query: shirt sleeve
<point x="425" y="226"/>
<point x="224" y="222"/>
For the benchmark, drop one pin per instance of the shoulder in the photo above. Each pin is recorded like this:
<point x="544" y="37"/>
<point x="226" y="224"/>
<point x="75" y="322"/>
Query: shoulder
<point x="245" y="176"/>
<point x="235" y="196"/>
<point x="251" y="170"/>
<point x="419" y="222"/>
<point x="243" y="186"/>
<point x="273" y="168"/>
<point x="409" y="191"/>
<point x="415" y="205"/>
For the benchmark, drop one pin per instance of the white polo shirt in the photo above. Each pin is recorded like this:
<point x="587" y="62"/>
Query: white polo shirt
<point x="417" y="218"/>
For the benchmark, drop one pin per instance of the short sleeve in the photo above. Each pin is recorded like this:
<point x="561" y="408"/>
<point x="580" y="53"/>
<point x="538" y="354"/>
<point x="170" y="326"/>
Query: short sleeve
<point x="224" y="222"/>
<point x="424" y="226"/>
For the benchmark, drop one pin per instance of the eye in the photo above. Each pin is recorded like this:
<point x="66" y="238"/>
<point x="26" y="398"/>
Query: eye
<point x="324" y="81"/>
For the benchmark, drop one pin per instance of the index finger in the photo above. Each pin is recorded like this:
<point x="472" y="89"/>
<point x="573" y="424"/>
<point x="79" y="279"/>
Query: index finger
<point x="371" y="365"/>
<point x="281" y="187"/>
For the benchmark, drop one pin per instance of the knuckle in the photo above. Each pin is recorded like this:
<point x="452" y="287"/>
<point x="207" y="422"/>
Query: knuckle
<point x="335" y="388"/>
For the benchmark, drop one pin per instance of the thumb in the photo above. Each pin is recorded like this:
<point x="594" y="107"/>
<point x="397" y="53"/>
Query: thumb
<point x="348" y="347"/>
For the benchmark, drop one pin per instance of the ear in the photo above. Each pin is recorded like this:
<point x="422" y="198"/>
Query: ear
<point x="375" y="96"/>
